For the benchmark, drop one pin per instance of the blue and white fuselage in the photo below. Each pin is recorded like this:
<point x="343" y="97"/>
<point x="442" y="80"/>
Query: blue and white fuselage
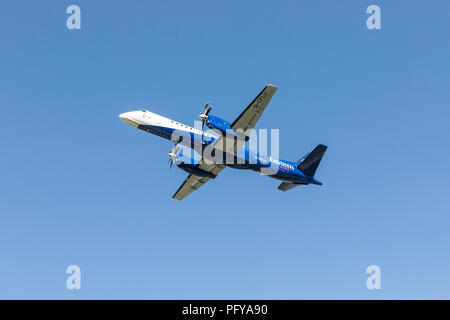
<point x="243" y="159"/>
<point x="203" y="154"/>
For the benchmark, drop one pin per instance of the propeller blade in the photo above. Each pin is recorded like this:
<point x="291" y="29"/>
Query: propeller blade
<point x="206" y="107"/>
<point x="204" y="116"/>
<point x="203" y="134"/>
<point x="173" y="154"/>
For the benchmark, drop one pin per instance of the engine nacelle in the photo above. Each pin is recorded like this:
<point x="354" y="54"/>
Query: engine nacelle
<point x="188" y="161"/>
<point x="218" y="123"/>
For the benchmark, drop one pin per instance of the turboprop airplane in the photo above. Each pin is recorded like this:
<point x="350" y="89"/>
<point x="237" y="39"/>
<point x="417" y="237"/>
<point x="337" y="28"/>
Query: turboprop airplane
<point x="230" y="140"/>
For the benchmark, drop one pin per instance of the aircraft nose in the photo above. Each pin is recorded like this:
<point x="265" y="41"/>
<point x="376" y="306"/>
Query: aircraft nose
<point x="124" y="116"/>
<point x="129" y="118"/>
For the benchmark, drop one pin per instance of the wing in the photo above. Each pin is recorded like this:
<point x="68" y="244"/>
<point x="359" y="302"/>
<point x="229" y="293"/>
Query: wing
<point x="194" y="182"/>
<point x="247" y="120"/>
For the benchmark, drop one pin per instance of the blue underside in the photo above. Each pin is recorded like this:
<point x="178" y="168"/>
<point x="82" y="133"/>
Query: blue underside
<point x="286" y="170"/>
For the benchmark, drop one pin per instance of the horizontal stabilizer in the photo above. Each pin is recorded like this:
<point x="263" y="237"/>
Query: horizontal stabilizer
<point x="285" y="186"/>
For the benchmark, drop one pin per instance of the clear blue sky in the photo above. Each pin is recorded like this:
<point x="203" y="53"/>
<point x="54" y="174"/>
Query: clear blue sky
<point x="78" y="186"/>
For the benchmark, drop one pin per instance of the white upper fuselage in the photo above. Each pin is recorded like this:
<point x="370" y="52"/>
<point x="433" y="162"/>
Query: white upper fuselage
<point x="147" y="119"/>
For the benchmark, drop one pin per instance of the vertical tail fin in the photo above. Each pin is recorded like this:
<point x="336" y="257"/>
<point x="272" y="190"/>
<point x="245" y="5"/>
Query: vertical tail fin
<point x="308" y="165"/>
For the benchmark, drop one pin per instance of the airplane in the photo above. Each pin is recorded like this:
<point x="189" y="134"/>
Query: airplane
<point x="205" y="167"/>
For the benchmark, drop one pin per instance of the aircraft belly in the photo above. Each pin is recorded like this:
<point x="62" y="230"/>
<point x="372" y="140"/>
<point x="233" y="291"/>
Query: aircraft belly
<point x="165" y="133"/>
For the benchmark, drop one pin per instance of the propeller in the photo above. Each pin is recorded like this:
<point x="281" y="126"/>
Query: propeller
<point x="173" y="155"/>
<point x="204" y="117"/>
